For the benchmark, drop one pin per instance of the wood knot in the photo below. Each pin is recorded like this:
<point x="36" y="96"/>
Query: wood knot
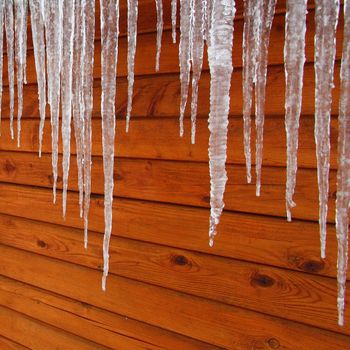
<point x="273" y="343"/>
<point x="262" y="280"/>
<point x="179" y="260"/>
<point x="312" y="266"/>
<point x="41" y="243"/>
<point x="9" y="166"/>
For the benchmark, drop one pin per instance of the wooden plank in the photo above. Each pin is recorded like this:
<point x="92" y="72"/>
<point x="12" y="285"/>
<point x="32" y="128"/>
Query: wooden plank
<point x="226" y="280"/>
<point x="212" y="322"/>
<point x="179" y="183"/>
<point x="37" y="335"/>
<point x="263" y="240"/>
<point x="143" y="142"/>
<point x="7" y="344"/>
<point x="158" y="96"/>
<point x="103" y="327"/>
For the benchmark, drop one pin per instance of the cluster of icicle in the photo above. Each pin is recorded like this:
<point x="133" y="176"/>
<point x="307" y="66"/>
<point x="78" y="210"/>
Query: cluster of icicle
<point x="63" y="33"/>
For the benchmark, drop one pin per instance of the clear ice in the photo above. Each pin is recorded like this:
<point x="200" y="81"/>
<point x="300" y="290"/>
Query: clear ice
<point x="220" y="64"/>
<point x="1" y="51"/>
<point x="266" y="13"/>
<point x="159" y="8"/>
<point x="53" y="31"/>
<point x="88" y="80"/>
<point x="66" y="91"/>
<point x="343" y="175"/>
<point x="184" y="56"/>
<point x="326" y="19"/>
<point x="173" y="19"/>
<point x="197" y="48"/>
<point x="109" y="56"/>
<point x="132" y="36"/>
<point x="294" y="58"/>
<point x="37" y="24"/>
<point x="10" y="57"/>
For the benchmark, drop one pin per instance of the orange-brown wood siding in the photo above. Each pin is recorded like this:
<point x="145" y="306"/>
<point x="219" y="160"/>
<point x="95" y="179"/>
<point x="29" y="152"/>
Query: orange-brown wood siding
<point x="262" y="285"/>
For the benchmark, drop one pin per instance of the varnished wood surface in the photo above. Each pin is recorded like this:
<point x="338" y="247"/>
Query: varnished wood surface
<point x="262" y="286"/>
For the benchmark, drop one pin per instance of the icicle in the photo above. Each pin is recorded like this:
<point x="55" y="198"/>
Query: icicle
<point x="249" y="62"/>
<point x="184" y="56"/>
<point x="196" y="58"/>
<point x="20" y="55"/>
<point x="326" y="19"/>
<point x="1" y="51"/>
<point x="66" y="87"/>
<point x="173" y="19"/>
<point x="294" y="58"/>
<point x="343" y="176"/>
<point x="77" y="100"/>
<point x="159" y="6"/>
<point x="109" y="55"/>
<point x="37" y="24"/>
<point x="88" y="59"/>
<point x="53" y="30"/>
<point x="220" y="64"/>
<point x="267" y="12"/>
<point x="10" y="57"/>
<point x="132" y="34"/>
<point x="24" y="43"/>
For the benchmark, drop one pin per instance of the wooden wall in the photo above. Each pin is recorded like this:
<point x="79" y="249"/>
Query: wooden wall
<point x="262" y="285"/>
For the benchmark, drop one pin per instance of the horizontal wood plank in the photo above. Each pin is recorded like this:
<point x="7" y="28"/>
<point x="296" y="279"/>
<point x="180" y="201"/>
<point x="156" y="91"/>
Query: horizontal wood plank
<point x="36" y="335"/>
<point x="190" y="316"/>
<point x="7" y="344"/>
<point x="247" y="237"/>
<point x="272" y="291"/>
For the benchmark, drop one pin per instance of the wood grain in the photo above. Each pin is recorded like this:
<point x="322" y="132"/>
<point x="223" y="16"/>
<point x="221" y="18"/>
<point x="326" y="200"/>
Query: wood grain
<point x="175" y="311"/>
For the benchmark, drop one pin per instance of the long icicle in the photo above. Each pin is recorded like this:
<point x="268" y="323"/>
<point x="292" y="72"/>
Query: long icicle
<point x="2" y="7"/>
<point x="294" y="58"/>
<point x="326" y="19"/>
<point x="343" y="176"/>
<point x="10" y="58"/>
<point x="20" y="55"/>
<point x="266" y="14"/>
<point x="37" y="24"/>
<point x="66" y="91"/>
<point x="132" y="36"/>
<point x="184" y="57"/>
<point x="248" y="72"/>
<point x="77" y="100"/>
<point x="197" y="49"/>
<point x="159" y="8"/>
<point x="220" y="64"/>
<point x="53" y="30"/>
<point x="88" y="54"/>
<point x="109" y="56"/>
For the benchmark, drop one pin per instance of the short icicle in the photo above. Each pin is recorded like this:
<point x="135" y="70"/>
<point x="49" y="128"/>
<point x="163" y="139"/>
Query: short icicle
<point x="10" y="38"/>
<point x="88" y="58"/>
<point x="220" y="64"/>
<point x="159" y="8"/>
<point x="266" y="13"/>
<point x="326" y="19"/>
<point x="197" y="49"/>
<point x="38" y="35"/>
<point x="132" y="36"/>
<point x="109" y="55"/>
<point x="53" y="31"/>
<point x="66" y="91"/>
<point x="294" y="58"/>
<point x="2" y="7"/>
<point x="184" y="57"/>
<point x="343" y="176"/>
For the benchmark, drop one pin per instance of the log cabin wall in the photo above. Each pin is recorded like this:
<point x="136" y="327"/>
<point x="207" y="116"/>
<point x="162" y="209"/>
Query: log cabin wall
<point x="262" y="285"/>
